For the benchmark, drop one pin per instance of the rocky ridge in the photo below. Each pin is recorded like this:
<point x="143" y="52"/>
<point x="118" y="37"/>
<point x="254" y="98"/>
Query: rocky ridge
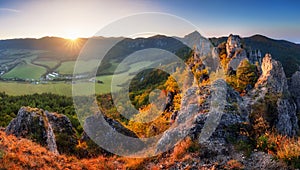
<point x="222" y="113"/>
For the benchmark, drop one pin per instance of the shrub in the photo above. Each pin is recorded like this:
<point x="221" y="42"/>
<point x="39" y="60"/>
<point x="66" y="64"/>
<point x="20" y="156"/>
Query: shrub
<point x="184" y="147"/>
<point x="234" y="164"/>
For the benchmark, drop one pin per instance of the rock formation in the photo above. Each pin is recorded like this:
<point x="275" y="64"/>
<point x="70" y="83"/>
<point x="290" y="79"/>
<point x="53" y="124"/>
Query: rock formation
<point x="195" y="40"/>
<point x="272" y="76"/>
<point x="235" y="51"/>
<point x="210" y="120"/>
<point x="255" y="56"/>
<point x="110" y="134"/>
<point x="216" y="114"/>
<point x="233" y="44"/>
<point x="43" y="127"/>
<point x="273" y="82"/>
<point x="294" y="88"/>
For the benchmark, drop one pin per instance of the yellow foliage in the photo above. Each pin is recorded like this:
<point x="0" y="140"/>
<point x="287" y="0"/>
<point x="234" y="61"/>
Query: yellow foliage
<point x="177" y="101"/>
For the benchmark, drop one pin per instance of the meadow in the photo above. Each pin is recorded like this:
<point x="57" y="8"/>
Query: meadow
<point x="26" y="71"/>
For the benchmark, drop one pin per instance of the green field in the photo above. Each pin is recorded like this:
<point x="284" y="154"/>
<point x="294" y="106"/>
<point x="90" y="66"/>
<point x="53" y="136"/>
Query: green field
<point x="50" y="64"/>
<point x="62" y="88"/>
<point x="67" y="67"/>
<point x="15" y="89"/>
<point x="25" y="71"/>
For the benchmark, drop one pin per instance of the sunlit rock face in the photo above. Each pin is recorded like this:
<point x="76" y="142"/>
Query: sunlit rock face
<point x="272" y="76"/>
<point x="235" y="51"/>
<point x="233" y="44"/>
<point x="273" y="82"/>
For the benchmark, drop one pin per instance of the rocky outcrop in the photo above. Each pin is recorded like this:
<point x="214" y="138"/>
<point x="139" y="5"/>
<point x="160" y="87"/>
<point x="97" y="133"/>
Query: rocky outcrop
<point x="52" y="130"/>
<point x="287" y="121"/>
<point x="110" y="135"/>
<point x="237" y="58"/>
<point x="273" y="76"/>
<point x="273" y="82"/>
<point x="232" y="45"/>
<point x="294" y="88"/>
<point x="210" y="120"/>
<point x="235" y="51"/>
<point x="195" y="40"/>
<point x="255" y="56"/>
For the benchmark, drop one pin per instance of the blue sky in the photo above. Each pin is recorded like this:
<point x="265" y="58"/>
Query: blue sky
<point x="66" y="18"/>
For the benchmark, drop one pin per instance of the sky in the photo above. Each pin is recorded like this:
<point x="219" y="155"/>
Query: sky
<point x="278" y="19"/>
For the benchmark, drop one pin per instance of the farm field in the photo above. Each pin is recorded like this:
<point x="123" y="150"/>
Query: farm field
<point x="26" y="71"/>
<point x="67" y="67"/>
<point x="60" y="88"/>
<point x="50" y="64"/>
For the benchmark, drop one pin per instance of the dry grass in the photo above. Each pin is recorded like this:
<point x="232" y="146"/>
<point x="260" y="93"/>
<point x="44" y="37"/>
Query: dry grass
<point x="284" y="148"/>
<point x="25" y="154"/>
<point x="234" y="164"/>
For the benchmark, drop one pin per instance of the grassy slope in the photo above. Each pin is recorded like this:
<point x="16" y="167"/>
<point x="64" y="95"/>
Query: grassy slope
<point x="24" y="154"/>
<point x="84" y="66"/>
<point x="26" y="71"/>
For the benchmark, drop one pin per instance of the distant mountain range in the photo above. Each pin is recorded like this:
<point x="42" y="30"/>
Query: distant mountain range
<point x="286" y="52"/>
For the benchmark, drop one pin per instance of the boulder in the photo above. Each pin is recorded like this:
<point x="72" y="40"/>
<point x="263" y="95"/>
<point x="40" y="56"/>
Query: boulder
<point x="111" y="135"/>
<point x="52" y="130"/>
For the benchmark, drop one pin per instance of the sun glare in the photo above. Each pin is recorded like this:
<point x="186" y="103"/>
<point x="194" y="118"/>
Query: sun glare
<point x="74" y="38"/>
<point x="73" y="43"/>
<point x="71" y="35"/>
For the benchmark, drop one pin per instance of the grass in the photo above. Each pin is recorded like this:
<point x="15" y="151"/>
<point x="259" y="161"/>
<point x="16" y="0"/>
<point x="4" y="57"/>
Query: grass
<point x="25" y="71"/>
<point x="61" y="88"/>
<point x="21" y="153"/>
<point x="15" y="88"/>
<point x="67" y="67"/>
<point x="50" y="64"/>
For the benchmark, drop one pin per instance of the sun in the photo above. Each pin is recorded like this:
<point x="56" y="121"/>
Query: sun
<point x="73" y="43"/>
<point x="72" y="38"/>
<point x="71" y="35"/>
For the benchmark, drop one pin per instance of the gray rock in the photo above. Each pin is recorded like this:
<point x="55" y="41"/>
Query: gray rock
<point x="52" y="130"/>
<point x="210" y="121"/>
<point x="197" y="41"/>
<point x="255" y="56"/>
<point x="294" y="88"/>
<point x="112" y="135"/>
<point x="274" y="82"/>
<point x="232" y="45"/>
<point x="272" y="76"/>
<point x="287" y="121"/>
<point x="237" y="58"/>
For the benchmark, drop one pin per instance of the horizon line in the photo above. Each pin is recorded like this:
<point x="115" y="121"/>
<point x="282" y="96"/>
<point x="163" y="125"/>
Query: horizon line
<point x="223" y="36"/>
